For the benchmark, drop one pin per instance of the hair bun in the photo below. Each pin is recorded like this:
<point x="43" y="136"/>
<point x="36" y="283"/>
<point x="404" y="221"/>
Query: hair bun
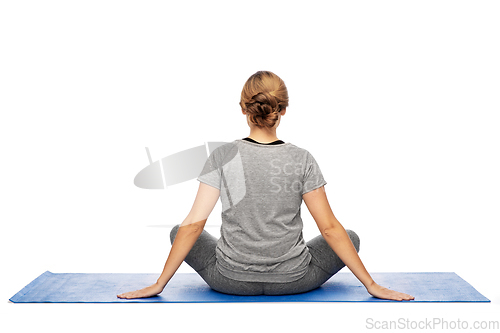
<point x="265" y="102"/>
<point x="263" y="97"/>
<point x="261" y="111"/>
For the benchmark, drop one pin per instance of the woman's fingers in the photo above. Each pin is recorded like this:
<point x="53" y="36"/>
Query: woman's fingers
<point x="130" y="294"/>
<point x="395" y="295"/>
<point x="405" y="297"/>
<point x="381" y="292"/>
<point x="402" y="297"/>
<point x="150" y="291"/>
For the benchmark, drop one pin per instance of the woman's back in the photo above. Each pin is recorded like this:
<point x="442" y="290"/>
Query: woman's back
<point x="261" y="188"/>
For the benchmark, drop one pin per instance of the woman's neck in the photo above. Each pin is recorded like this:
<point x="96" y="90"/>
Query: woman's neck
<point x="263" y="135"/>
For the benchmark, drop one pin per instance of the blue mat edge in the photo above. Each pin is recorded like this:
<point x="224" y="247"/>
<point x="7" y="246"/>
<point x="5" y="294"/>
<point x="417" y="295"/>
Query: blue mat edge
<point x="486" y="299"/>
<point x="240" y="299"/>
<point x="29" y="286"/>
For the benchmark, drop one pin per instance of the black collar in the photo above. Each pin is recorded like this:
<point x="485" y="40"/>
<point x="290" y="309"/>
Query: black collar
<point x="277" y="142"/>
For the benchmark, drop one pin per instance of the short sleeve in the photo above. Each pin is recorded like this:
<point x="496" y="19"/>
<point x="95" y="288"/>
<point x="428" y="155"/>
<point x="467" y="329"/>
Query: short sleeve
<point x="210" y="173"/>
<point x="313" y="178"/>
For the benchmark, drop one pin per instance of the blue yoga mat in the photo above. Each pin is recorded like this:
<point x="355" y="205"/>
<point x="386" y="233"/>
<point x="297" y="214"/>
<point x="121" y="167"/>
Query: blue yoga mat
<point x="190" y="288"/>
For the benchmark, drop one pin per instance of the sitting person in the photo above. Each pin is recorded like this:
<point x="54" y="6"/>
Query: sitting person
<point x="262" y="182"/>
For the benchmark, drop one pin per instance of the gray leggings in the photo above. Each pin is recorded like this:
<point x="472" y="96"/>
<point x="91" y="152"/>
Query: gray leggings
<point x="324" y="264"/>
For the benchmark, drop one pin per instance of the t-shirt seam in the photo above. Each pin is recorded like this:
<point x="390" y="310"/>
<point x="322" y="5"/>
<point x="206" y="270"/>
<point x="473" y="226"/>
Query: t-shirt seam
<point x="208" y="183"/>
<point x="323" y="183"/>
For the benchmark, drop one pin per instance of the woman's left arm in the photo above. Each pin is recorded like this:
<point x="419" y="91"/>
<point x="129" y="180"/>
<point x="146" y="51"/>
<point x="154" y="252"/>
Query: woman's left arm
<point x="188" y="233"/>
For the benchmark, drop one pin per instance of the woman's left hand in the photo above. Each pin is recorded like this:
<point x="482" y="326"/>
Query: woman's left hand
<point x="150" y="291"/>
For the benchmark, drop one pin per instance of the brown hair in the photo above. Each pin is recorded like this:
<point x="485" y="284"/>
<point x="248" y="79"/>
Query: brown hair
<point x="263" y="96"/>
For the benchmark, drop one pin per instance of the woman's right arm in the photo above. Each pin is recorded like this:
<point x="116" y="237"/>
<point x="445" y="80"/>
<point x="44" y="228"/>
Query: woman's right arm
<point x="336" y="236"/>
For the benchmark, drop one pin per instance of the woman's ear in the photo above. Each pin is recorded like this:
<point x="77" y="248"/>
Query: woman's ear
<point x="283" y="111"/>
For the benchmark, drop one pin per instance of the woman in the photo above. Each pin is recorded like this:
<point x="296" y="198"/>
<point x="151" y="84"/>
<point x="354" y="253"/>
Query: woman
<point x="261" y="182"/>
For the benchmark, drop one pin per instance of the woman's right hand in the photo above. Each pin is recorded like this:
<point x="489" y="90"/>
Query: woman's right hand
<point x="381" y="292"/>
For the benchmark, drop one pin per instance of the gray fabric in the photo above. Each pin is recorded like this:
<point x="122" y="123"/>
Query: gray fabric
<point x="261" y="195"/>
<point x="323" y="265"/>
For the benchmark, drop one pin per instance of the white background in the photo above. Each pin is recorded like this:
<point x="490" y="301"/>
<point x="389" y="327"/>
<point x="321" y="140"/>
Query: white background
<point x="398" y="101"/>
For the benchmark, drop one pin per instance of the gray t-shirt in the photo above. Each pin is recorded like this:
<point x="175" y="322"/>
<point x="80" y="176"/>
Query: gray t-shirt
<point x="261" y="188"/>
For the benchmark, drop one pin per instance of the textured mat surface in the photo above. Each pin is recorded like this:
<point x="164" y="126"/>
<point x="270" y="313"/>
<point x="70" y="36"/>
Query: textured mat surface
<point x="190" y="288"/>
